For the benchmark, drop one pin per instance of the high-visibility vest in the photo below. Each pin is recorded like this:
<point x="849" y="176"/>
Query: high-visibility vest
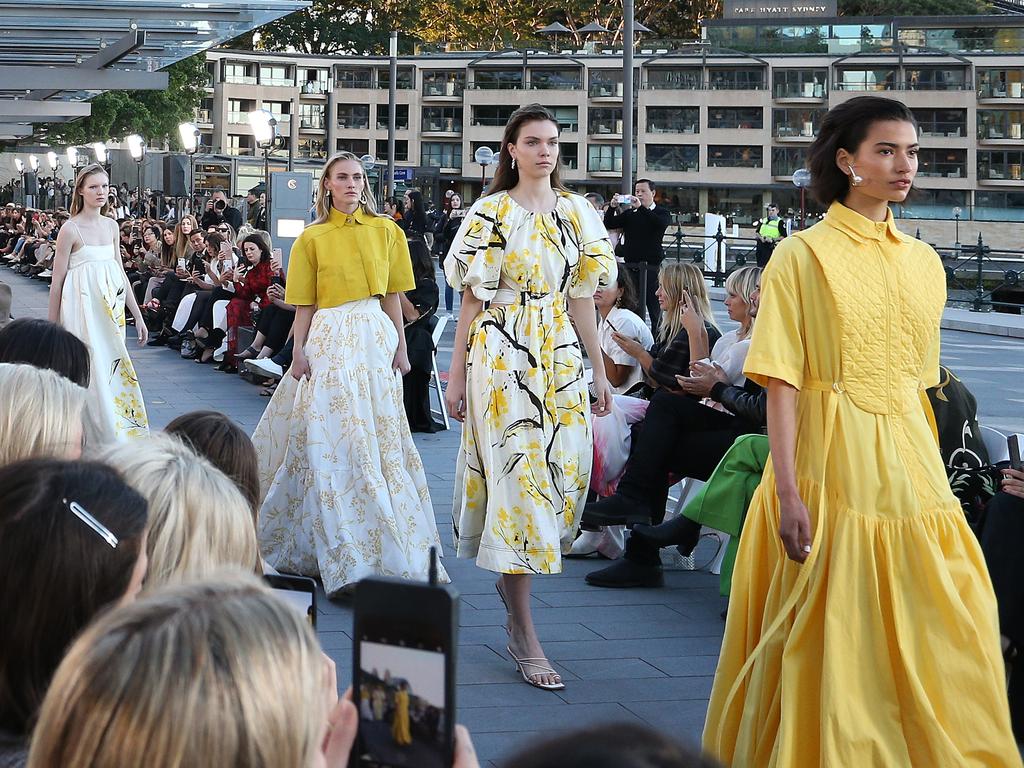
<point x="770" y="229"/>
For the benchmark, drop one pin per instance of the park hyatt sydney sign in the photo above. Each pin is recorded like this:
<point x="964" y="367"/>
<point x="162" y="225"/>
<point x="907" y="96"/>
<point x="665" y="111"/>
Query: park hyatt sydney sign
<point x="781" y="9"/>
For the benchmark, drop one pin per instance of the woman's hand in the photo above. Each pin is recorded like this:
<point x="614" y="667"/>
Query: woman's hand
<point x="455" y="394"/>
<point x="631" y="347"/>
<point x="339" y="732"/>
<point x="401" y="361"/>
<point x="465" y="754"/>
<point x="602" y="405"/>
<point x="702" y="379"/>
<point x="140" y="329"/>
<point x="1013" y="482"/>
<point x="300" y="365"/>
<point x="692" y="320"/>
<point x="795" y="527"/>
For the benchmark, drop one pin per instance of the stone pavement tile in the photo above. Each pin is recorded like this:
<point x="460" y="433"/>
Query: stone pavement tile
<point x="681" y="627"/>
<point x="584" y="615"/>
<point x="611" y="669"/>
<point x="683" y="720"/>
<point x="665" y="689"/>
<point x="512" y="693"/>
<point x="684" y="666"/>
<point x="541" y="717"/>
<point x="490" y="634"/>
<point x="334" y="641"/>
<point x="639" y="648"/>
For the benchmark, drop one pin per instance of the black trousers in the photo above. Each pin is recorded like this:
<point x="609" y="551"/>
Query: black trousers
<point x="171" y="291"/>
<point x="274" y="323"/>
<point x="1002" y="536"/>
<point x="637" y="271"/>
<point x="198" y="309"/>
<point x="206" y="318"/>
<point x="680" y="437"/>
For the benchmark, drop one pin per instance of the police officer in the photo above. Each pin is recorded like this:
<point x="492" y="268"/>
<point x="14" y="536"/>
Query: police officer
<point x="768" y="232"/>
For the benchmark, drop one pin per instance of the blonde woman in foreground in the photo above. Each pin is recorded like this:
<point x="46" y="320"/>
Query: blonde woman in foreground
<point x="40" y="414"/>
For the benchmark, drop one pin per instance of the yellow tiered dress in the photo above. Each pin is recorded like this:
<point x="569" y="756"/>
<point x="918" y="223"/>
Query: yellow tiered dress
<point x="882" y="649"/>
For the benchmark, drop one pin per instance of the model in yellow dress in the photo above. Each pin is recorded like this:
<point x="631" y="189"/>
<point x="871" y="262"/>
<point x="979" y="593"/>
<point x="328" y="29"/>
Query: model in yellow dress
<point x="401" y="731"/>
<point x="882" y="647"/>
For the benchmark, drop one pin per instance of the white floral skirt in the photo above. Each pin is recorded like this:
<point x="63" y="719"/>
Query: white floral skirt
<point x="345" y="494"/>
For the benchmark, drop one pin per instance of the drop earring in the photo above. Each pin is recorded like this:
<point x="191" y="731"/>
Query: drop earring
<point x="854" y="178"/>
<point x="513" y="163"/>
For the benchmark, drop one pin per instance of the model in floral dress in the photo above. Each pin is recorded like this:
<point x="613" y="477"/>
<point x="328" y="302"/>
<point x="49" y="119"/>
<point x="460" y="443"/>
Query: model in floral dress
<point x="524" y="465"/>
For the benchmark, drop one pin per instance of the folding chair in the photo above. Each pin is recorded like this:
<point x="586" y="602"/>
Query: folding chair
<point x="435" y="376"/>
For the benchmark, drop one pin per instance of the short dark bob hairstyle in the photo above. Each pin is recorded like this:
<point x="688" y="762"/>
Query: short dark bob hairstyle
<point x="845" y="127"/>
<point x="39" y="342"/>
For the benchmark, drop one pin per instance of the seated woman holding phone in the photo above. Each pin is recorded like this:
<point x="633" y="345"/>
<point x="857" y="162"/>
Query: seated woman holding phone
<point x="274" y="322"/>
<point x="251" y="280"/>
<point x="215" y="285"/>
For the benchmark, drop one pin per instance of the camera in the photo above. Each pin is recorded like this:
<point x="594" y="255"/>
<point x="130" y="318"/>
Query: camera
<point x="220" y="205"/>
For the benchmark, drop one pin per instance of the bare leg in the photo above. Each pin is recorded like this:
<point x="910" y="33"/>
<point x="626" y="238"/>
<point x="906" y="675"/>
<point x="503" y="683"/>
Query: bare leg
<point x="523" y="637"/>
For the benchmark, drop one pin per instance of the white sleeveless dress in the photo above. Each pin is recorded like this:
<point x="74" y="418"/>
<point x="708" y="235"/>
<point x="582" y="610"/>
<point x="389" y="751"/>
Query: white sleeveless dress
<point x="92" y="308"/>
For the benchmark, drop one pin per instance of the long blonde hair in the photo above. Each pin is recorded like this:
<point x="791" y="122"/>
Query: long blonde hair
<point x="218" y="672"/>
<point x="77" y="199"/>
<point x="181" y="240"/>
<point x="743" y="283"/>
<point x="323" y="197"/>
<point x="506" y="177"/>
<point x="39" y="411"/>
<point x="198" y="519"/>
<point x="674" y="278"/>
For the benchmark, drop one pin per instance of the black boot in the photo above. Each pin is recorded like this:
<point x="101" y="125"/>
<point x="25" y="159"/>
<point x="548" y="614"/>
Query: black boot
<point x="625" y="574"/>
<point x="680" y="531"/>
<point x="615" y="510"/>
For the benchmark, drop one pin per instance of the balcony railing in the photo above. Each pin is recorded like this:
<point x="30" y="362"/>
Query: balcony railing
<point x="447" y="88"/>
<point x="547" y="85"/>
<point x="795" y="129"/>
<point x="240" y="79"/>
<point x="810" y="90"/>
<point x="1000" y="171"/>
<point x="315" y="87"/>
<point x="355" y="123"/>
<point x="286" y="82"/>
<point x="442" y="125"/>
<point x="356" y="82"/>
<point x="935" y="129"/>
<point x="238" y="118"/>
<point x="497" y="86"/>
<point x="602" y="127"/>
<point x="677" y="127"/>
<point x="203" y="116"/>
<point x="1000" y="131"/>
<point x="1001" y="91"/>
<point x="311" y="122"/>
<point x="605" y="90"/>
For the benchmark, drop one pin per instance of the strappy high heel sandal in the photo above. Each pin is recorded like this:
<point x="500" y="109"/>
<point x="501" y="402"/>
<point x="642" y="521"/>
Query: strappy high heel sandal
<point x="543" y="667"/>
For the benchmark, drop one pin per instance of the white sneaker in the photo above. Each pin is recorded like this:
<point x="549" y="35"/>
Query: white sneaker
<point x="45" y="273"/>
<point x="264" y="367"/>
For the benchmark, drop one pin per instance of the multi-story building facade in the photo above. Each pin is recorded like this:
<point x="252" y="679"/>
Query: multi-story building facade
<point x="720" y="125"/>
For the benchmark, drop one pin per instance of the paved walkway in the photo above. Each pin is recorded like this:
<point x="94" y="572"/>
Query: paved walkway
<point x="639" y="655"/>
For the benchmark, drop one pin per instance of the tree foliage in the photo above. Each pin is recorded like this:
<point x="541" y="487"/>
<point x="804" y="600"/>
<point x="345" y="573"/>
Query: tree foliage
<point x="917" y="8"/>
<point x="155" y="115"/>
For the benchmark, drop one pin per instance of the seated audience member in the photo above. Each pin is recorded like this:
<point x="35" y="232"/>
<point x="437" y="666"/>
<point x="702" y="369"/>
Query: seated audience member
<point x="614" y="745"/>
<point x="250" y="280"/>
<point x="41" y="414"/>
<point x="225" y="445"/>
<point x="39" y="342"/>
<point x="198" y="520"/>
<point x="418" y="309"/>
<point x="72" y="545"/>
<point x="681" y="436"/>
<point x="686" y="332"/>
<point x="275" y="319"/>
<point x="216" y="286"/>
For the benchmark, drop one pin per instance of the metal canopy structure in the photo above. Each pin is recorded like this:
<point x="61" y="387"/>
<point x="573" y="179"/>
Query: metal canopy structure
<point x="57" y="54"/>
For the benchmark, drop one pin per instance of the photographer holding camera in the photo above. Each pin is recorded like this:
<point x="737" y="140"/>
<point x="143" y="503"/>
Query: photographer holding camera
<point x="643" y="223"/>
<point x="218" y="210"/>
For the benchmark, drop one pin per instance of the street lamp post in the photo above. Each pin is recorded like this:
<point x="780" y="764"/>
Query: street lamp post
<point x="137" y="148"/>
<point x="802" y="180"/>
<point x="33" y="163"/>
<point x="21" y="171"/>
<point x="485" y="156"/>
<point x="190" y="143"/>
<point x="100" y="150"/>
<point x="264" y="130"/>
<point x="369" y="162"/>
<point x="54" y="162"/>
<point x="627" y="96"/>
<point x="956" y="218"/>
<point x="392" y="110"/>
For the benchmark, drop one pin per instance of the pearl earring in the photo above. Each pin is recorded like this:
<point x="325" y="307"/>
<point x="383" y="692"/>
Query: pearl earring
<point x="513" y="163"/>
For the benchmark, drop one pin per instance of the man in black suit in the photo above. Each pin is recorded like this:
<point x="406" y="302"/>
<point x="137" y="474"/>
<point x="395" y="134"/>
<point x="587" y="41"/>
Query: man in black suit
<point x="643" y="223"/>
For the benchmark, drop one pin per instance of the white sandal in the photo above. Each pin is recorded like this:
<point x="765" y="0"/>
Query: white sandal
<point x="543" y="669"/>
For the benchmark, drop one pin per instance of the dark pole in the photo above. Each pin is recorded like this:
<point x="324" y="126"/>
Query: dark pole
<point x="483" y="179"/>
<point x="266" y="179"/>
<point x="803" y="217"/>
<point x="627" y="97"/>
<point x="392" y="109"/>
<point x="138" y="179"/>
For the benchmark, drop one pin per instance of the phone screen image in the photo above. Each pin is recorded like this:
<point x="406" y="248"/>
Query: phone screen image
<point x="401" y="705"/>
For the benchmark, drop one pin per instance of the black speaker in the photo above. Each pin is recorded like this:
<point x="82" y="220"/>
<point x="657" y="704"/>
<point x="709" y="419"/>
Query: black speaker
<point x="31" y="184"/>
<point x="175" y="175"/>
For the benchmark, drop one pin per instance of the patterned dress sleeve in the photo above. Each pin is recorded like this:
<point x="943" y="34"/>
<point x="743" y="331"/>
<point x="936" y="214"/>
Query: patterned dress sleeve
<point x="596" y="264"/>
<point x="475" y="256"/>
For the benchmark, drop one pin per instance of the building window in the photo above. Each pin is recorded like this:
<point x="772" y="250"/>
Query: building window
<point x="353" y="115"/>
<point x="602" y="121"/>
<point x="442" y="120"/>
<point x="787" y="160"/>
<point x="311" y="117"/>
<point x="401" y="150"/>
<point x="675" y="79"/>
<point x="240" y="145"/>
<point x="495" y="115"/>
<point x="948" y="163"/>
<point x="239" y="109"/>
<point x="741" y="204"/>
<point x="440" y="154"/>
<point x="1000" y="123"/>
<point x="672" y="157"/>
<point x="673" y="120"/>
<point x="604" y="158"/>
<point x="877" y="79"/>
<point x="311" y="148"/>
<point x="275" y="74"/>
<point x="555" y="79"/>
<point x="727" y="156"/>
<point x="942" y="122"/>
<point x="498" y="79"/>
<point x="799" y="83"/>
<point x="569" y="153"/>
<point x="998" y="206"/>
<point x="211" y="73"/>
<point x="280" y="110"/>
<point x="1000" y="165"/>
<point x="314" y="81"/>
<point x="240" y="74"/>
<point x="357" y="147"/>
<point x="932" y="204"/>
<point x="1000" y="83"/>
<point x="742" y="118"/>
<point x="444" y="83"/>
<point x="787" y="123"/>
<point x="404" y="81"/>
<point x="684" y="202"/>
<point x="355" y="78"/>
<point x="736" y="79"/>
<point x="568" y="118"/>
<point x="401" y="117"/>
<point x="936" y="79"/>
<point x="605" y="83"/>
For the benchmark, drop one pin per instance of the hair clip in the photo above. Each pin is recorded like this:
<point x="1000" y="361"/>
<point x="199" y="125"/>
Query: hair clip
<point x="82" y="514"/>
